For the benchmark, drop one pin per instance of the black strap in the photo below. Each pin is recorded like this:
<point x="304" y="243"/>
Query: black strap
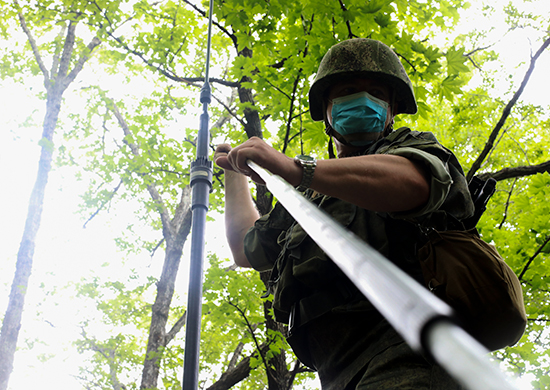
<point x="481" y="191"/>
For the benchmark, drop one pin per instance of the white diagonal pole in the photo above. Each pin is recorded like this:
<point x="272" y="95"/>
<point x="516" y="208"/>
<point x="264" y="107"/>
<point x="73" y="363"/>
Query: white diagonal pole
<point x="423" y="320"/>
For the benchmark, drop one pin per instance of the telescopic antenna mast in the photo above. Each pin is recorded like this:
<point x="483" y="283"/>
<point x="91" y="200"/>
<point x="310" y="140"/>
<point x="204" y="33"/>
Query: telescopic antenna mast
<point x="201" y="184"/>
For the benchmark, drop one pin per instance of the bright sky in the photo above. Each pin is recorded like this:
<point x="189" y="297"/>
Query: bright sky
<point x="66" y="252"/>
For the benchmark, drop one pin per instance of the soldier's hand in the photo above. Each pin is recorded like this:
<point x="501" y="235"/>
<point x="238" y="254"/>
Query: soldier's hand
<point x="261" y="153"/>
<point x="220" y="156"/>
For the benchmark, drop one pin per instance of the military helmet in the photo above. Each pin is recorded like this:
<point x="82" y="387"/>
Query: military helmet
<point x="363" y="58"/>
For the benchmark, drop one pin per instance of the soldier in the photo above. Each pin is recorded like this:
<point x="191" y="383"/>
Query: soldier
<point x="383" y="186"/>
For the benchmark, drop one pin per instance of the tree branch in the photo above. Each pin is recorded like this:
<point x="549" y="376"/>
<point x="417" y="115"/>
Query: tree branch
<point x="538" y="251"/>
<point x="506" y="132"/>
<point x="176" y="328"/>
<point x="538" y="319"/>
<point x="56" y="56"/>
<point x="227" y="114"/>
<point x="228" y="109"/>
<point x="157" y="246"/>
<point x="506" y="112"/>
<point x="67" y="51"/>
<point x="291" y="110"/>
<point x="293" y="373"/>
<point x="478" y="49"/>
<point x="236" y="354"/>
<point x="406" y="60"/>
<point x="251" y="329"/>
<point x="125" y="128"/>
<point x="351" y="35"/>
<point x="223" y="29"/>
<point x="82" y="60"/>
<point x="231" y="377"/>
<point x="169" y="75"/>
<point x="474" y="63"/>
<point x="164" y="214"/>
<point x="108" y="354"/>
<point x="103" y="204"/>
<point x="34" y="48"/>
<point x="167" y="230"/>
<point x="278" y="89"/>
<point x="509" y="173"/>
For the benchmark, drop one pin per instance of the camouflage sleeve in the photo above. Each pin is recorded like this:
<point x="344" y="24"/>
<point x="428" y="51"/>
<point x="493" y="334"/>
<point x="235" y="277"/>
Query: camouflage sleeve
<point x="261" y="243"/>
<point x="449" y="190"/>
<point x="440" y="183"/>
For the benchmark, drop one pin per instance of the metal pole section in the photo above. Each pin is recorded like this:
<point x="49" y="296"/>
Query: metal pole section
<point x="462" y="357"/>
<point x="201" y="184"/>
<point x="423" y="320"/>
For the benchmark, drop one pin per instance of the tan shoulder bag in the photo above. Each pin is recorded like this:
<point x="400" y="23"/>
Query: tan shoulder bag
<point x="471" y="276"/>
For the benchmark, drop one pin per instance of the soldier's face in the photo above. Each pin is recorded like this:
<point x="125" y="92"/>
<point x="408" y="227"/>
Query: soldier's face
<point x="373" y="87"/>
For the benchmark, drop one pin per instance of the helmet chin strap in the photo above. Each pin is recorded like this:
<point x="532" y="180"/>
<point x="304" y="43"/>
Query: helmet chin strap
<point x="331" y="133"/>
<point x="331" y="154"/>
<point x="388" y="129"/>
<point x="334" y="134"/>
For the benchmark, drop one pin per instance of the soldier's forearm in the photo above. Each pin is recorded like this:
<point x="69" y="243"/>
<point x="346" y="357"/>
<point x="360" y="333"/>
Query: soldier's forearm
<point x="240" y="214"/>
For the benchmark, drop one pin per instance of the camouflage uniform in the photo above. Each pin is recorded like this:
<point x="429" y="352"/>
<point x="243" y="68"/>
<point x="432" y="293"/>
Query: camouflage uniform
<point x="333" y="328"/>
<point x="336" y="330"/>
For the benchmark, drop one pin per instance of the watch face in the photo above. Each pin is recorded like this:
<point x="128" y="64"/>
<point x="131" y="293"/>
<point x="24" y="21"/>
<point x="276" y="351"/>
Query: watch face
<point x="305" y="158"/>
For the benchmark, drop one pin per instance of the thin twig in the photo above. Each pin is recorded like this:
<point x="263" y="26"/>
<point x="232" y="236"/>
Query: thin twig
<point x="539" y="250"/>
<point x="507" y="204"/>
<point x="103" y="204"/>
<point x="351" y="35"/>
<point x="157" y="246"/>
<point x="291" y="110"/>
<point x="252" y="333"/>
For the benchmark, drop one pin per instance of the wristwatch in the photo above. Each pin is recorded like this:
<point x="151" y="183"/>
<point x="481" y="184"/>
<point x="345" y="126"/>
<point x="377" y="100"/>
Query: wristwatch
<point x="308" y="163"/>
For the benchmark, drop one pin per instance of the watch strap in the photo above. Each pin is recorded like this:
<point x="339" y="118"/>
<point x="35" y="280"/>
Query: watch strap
<point x="308" y="164"/>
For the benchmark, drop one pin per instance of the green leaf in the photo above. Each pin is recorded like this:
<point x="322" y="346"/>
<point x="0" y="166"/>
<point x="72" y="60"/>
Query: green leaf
<point x="456" y="61"/>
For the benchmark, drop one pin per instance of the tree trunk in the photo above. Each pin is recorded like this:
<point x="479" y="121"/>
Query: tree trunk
<point x="56" y="82"/>
<point x="253" y="125"/>
<point x="12" y="320"/>
<point x="160" y="310"/>
<point x="278" y="374"/>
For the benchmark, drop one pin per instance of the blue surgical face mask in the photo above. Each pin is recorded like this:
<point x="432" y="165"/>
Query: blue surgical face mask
<point x="360" y="118"/>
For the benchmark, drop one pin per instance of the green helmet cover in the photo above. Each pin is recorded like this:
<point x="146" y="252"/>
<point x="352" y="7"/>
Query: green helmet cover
<point x="361" y="58"/>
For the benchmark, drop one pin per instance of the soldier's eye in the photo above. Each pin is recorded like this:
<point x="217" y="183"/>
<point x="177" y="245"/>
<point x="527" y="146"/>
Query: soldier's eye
<point x="377" y="93"/>
<point x="350" y="90"/>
